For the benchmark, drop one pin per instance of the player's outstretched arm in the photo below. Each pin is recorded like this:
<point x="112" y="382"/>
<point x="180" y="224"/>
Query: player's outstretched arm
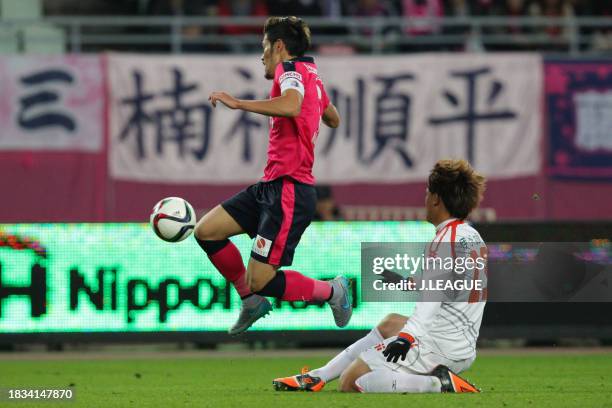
<point x="289" y="104"/>
<point x="331" y="117"/>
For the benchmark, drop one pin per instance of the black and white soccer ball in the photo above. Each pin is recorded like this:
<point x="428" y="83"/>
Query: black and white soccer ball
<point x="173" y="219"/>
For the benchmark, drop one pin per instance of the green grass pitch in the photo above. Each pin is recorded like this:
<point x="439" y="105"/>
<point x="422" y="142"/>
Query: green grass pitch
<point x="207" y="380"/>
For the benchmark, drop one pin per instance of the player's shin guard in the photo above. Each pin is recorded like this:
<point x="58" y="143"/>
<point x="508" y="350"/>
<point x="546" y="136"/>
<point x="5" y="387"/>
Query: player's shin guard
<point x="226" y="258"/>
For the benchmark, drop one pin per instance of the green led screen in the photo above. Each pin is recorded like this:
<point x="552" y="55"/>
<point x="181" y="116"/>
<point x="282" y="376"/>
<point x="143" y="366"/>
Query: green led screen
<point x="121" y="277"/>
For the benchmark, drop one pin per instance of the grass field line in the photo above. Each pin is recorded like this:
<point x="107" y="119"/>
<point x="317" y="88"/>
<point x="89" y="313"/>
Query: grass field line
<point x="191" y="354"/>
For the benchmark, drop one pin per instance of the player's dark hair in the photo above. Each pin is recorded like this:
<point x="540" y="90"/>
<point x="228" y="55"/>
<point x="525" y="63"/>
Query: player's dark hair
<point x="458" y="185"/>
<point x="292" y="30"/>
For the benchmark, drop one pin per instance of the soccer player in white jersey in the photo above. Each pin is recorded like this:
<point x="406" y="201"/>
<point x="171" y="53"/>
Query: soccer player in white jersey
<point x="426" y="351"/>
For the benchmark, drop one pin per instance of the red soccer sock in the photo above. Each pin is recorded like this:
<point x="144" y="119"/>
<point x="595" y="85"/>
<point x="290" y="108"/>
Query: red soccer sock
<point x="228" y="261"/>
<point x="300" y="287"/>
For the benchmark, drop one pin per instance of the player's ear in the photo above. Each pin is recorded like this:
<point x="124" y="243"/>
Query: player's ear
<point x="436" y="199"/>
<point x="278" y="45"/>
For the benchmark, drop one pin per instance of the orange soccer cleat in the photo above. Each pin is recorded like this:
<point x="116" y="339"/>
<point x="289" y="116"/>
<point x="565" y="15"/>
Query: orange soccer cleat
<point x="301" y="382"/>
<point x="451" y="382"/>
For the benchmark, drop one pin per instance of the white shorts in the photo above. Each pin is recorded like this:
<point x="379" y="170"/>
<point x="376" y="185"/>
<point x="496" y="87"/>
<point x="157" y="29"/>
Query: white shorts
<point x="419" y="360"/>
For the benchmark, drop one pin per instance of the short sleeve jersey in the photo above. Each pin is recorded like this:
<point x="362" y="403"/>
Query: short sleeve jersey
<point x="292" y="140"/>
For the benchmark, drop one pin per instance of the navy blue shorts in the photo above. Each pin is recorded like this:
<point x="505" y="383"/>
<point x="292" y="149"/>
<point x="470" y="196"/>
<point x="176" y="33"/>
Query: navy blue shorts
<point x="275" y="213"/>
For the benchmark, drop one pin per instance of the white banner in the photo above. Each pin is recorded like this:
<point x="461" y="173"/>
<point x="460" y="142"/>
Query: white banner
<point x="51" y="103"/>
<point x="400" y="114"/>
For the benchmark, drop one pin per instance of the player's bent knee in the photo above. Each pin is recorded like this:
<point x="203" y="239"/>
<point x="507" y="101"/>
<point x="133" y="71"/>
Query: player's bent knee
<point x="347" y="380"/>
<point x="202" y="233"/>
<point x="391" y="325"/>
<point x="216" y="225"/>
<point x="205" y="231"/>
<point x="360" y="383"/>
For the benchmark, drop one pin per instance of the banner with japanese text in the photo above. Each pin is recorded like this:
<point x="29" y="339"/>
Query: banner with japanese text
<point x="52" y="103"/>
<point x="579" y="107"/>
<point x="399" y="116"/>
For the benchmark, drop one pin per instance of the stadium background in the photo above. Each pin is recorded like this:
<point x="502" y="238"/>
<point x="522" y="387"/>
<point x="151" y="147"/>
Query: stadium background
<point x="79" y="269"/>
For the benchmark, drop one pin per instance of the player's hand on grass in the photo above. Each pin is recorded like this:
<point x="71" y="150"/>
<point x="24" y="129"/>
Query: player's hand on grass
<point x="225" y="98"/>
<point x="398" y="348"/>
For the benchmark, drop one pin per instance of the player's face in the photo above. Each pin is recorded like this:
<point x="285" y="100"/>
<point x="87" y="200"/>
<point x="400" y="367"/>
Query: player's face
<point x="268" y="58"/>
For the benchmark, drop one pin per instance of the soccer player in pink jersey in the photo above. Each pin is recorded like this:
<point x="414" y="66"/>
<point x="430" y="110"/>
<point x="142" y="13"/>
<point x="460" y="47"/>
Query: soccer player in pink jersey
<point x="277" y="210"/>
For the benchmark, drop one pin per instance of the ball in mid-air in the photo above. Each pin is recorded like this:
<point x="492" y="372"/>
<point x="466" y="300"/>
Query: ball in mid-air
<point x="173" y="219"/>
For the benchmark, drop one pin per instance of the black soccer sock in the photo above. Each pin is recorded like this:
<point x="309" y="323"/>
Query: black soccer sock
<point x="212" y="247"/>
<point x="276" y="287"/>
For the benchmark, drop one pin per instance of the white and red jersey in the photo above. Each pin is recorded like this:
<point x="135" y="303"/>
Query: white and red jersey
<point x="451" y="328"/>
<point x="292" y="140"/>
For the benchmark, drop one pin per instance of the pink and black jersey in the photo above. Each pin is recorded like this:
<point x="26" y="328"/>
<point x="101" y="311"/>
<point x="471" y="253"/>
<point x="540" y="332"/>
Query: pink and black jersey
<point x="277" y="210"/>
<point x="292" y="140"/>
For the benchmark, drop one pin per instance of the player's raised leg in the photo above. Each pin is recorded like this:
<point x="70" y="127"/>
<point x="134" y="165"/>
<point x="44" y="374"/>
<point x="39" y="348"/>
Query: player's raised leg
<point x="212" y="233"/>
<point x="286" y="208"/>
<point x="267" y="280"/>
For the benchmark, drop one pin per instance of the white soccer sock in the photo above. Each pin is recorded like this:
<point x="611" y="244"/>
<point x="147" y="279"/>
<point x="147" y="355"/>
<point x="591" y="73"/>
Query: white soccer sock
<point x="338" y="364"/>
<point x="397" y="381"/>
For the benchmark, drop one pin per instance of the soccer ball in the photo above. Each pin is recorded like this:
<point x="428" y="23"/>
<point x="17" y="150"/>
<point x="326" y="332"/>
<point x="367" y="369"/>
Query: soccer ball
<point x="173" y="219"/>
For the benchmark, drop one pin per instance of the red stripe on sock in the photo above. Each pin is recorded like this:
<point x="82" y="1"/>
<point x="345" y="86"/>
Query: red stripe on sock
<point x="287" y="203"/>
<point x="229" y="263"/>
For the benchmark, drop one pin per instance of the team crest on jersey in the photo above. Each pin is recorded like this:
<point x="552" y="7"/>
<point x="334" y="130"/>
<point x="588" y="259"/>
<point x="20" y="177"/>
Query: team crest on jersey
<point x="379" y="347"/>
<point x="261" y="246"/>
